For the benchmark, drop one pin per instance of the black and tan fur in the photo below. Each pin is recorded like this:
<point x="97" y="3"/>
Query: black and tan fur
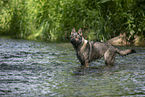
<point x="88" y="51"/>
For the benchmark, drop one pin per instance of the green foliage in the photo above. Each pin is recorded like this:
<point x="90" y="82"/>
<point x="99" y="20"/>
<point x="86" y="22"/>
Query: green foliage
<point x="54" y="19"/>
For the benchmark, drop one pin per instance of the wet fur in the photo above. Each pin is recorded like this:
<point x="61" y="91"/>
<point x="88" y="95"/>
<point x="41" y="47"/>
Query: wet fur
<point x="88" y="51"/>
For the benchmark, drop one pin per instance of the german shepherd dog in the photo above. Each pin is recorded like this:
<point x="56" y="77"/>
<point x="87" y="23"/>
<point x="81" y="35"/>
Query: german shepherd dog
<point x="88" y="51"/>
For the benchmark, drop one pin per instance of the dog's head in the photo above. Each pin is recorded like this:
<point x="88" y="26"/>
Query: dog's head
<point x="76" y="37"/>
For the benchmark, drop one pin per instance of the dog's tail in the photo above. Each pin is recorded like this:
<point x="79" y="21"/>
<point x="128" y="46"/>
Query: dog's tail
<point x="125" y="52"/>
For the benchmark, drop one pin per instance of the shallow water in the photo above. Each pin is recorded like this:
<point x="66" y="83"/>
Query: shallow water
<point x="30" y="68"/>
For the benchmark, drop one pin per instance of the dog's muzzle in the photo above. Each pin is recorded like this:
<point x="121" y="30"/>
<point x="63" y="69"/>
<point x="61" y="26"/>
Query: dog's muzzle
<point x="72" y="40"/>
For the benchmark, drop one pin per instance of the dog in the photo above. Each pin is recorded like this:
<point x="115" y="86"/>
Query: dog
<point x="88" y="51"/>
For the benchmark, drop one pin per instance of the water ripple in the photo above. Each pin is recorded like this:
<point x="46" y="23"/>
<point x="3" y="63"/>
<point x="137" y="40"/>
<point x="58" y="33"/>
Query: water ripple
<point x="30" y="68"/>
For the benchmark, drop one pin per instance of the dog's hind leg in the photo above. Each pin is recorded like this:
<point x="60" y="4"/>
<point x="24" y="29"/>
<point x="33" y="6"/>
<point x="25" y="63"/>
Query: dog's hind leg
<point x="109" y="57"/>
<point x="113" y="58"/>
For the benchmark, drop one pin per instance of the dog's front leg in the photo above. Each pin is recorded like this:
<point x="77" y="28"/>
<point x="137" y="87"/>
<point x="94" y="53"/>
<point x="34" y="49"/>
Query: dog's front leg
<point x="84" y="64"/>
<point x="87" y="63"/>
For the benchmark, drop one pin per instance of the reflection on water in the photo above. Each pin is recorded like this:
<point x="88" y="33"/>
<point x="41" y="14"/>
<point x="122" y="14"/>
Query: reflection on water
<point x="30" y="68"/>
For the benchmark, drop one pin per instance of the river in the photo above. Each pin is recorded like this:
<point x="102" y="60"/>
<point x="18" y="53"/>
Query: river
<point x="33" y="68"/>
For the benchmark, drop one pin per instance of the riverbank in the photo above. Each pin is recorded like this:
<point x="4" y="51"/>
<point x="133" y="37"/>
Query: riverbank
<point x="122" y="40"/>
<point x="118" y="40"/>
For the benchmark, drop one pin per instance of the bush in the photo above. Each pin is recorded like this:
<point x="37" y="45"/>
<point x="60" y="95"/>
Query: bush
<point x="53" y="20"/>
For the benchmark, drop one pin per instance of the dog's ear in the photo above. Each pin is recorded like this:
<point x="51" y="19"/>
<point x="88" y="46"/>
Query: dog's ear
<point x="80" y="32"/>
<point x="73" y="31"/>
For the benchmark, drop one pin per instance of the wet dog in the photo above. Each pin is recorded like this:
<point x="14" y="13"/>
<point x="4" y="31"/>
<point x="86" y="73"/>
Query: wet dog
<point x="88" y="51"/>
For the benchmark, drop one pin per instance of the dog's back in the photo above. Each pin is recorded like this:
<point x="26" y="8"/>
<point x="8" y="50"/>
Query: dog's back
<point x="99" y="48"/>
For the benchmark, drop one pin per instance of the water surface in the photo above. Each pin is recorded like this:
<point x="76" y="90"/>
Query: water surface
<point x="31" y="68"/>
